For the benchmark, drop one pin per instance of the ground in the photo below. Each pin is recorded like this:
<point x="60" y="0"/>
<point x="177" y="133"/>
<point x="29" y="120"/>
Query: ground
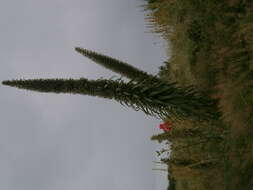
<point x="210" y="46"/>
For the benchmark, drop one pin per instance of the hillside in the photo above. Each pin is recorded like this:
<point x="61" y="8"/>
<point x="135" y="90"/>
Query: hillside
<point x="210" y="46"/>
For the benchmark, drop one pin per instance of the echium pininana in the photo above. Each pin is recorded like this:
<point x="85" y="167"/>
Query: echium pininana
<point x="117" y="66"/>
<point x="153" y="97"/>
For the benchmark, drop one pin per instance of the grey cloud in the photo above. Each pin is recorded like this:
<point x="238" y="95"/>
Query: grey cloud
<point x="55" y="141"/>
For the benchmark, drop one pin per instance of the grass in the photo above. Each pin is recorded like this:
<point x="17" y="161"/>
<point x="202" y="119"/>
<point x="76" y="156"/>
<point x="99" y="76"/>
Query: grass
<point x="211" y="47"/>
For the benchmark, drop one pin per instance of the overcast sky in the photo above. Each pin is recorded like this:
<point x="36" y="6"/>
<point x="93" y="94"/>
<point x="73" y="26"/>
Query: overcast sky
<point x="74" y="142"/>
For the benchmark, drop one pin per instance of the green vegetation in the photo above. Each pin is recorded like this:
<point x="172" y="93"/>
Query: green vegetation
<point x="150" y="95"/>
<point x="114" y="65"/>
<point x="211" y="45"/>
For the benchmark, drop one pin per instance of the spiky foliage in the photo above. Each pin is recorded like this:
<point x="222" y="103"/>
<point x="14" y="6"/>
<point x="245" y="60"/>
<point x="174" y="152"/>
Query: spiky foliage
<point x="114" y="65"/>
<point x="154" y="97"/>
<point x="178" y="133"/>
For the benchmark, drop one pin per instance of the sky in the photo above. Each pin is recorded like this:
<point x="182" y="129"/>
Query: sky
<point x="64" y="141"/>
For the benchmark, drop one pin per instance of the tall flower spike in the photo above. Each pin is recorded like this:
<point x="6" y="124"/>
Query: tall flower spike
<point x="154" y="98"/>
<point x="114" y="65"/>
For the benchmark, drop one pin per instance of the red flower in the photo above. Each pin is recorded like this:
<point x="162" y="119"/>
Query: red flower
<point x="165" y="126"/>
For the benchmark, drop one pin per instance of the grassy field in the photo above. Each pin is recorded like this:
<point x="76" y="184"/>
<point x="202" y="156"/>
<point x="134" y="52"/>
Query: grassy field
<point x="210" y="46"/>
